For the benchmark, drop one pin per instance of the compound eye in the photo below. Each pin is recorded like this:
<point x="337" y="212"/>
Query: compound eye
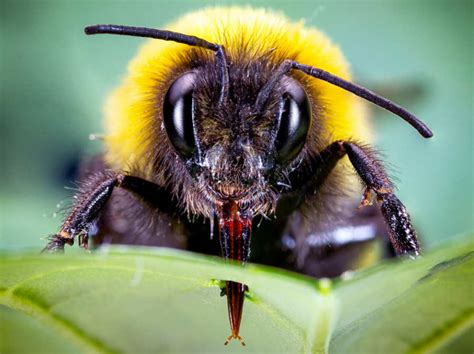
<point x="294" y="122"/>
<point x="178" y="112"/>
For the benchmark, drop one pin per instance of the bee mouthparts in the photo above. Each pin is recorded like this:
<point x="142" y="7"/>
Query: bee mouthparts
<point x="235" y="229"/>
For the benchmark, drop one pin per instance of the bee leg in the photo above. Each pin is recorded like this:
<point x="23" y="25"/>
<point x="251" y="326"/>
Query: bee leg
<point x="91" y="200"/>
<point x="56" y="244"/>
<point x="401" y="232"/>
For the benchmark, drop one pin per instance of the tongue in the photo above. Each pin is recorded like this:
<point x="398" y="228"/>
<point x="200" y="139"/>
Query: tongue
<point x="235" y="230"/>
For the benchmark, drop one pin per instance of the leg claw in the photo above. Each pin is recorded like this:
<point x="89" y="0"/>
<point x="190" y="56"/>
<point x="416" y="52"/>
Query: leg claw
<point x="367" y="198"/>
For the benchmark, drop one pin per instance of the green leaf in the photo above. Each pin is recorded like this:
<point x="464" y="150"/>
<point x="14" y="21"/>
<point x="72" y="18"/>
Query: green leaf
<point x="143" y="300"/>
<point x="412" y="307"/>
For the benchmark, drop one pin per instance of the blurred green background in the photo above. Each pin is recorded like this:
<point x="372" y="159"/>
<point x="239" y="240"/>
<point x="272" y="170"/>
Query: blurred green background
<point x="54" y="80"/>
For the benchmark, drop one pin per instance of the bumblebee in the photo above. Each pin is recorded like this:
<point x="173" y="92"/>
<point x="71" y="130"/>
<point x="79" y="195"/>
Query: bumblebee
<point x="239" y="116"/>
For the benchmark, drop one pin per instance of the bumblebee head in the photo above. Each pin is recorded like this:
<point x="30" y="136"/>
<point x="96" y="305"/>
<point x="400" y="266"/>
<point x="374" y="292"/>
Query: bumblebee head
<point x="235" y="145"/>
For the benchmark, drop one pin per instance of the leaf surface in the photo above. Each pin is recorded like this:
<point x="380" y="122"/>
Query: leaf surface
<point x="160" y="300"/>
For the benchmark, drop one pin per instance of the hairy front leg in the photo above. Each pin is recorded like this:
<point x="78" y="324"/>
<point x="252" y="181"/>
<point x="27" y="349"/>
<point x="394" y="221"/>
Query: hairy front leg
<point x="91" y="200"/>
<point x="400" y="230"/>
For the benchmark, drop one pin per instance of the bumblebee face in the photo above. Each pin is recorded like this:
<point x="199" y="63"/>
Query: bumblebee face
<point x="233" y="149"/>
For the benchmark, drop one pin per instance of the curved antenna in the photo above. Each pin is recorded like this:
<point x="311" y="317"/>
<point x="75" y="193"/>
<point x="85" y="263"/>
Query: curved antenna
<point x="174" y="37"/>
<point x="360" y="91"/>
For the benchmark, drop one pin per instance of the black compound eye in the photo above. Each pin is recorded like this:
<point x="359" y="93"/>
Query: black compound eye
<point x="294" y="122"/>
<point x="178" y="112"/>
